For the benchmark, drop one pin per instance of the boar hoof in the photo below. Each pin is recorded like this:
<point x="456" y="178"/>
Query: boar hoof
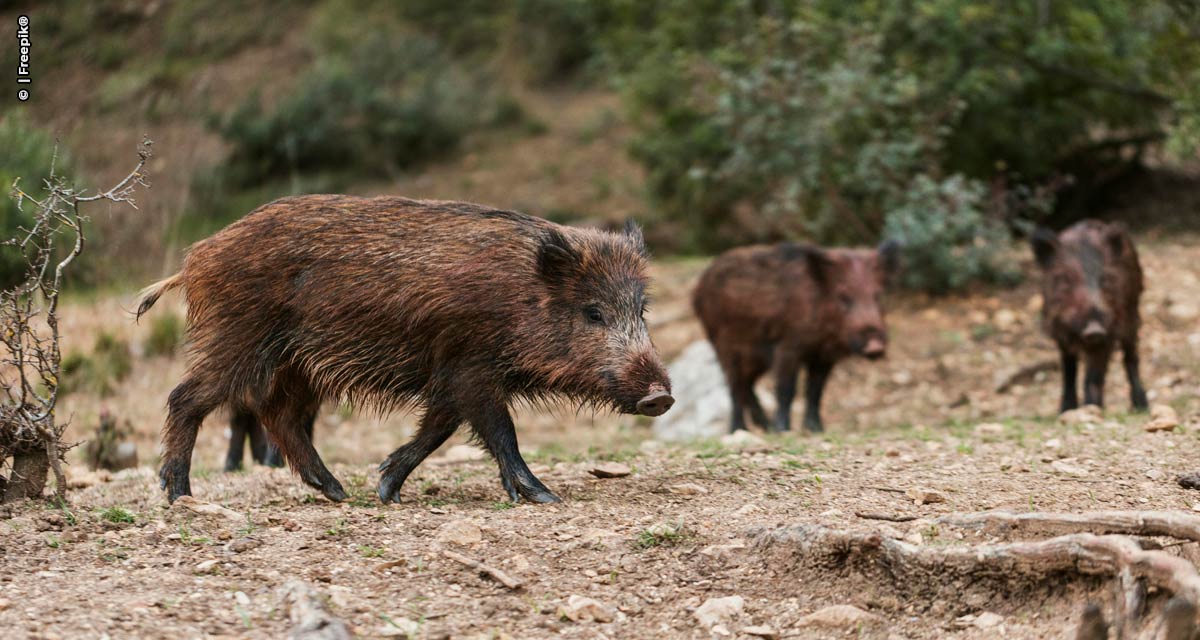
<point x="389" y="488"/>
<point x="813" y="426"/>
<point x="173" y="479"/>
<point x="534" y="492"/>
<point x="325" y="483"/>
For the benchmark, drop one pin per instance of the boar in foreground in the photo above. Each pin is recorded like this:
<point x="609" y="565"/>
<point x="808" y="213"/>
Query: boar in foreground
<point x="788" y="306"/>
<point x="1091" y="284"/>
<point x="387" y="302"/>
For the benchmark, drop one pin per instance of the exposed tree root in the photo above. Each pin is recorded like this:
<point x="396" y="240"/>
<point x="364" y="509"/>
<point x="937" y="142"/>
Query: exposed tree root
<point x="924" y="570"/>
<point x="1173" y="524"/>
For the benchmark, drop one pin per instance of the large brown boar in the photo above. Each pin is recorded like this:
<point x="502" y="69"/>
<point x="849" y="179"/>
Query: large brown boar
<point x="389" y="302"/>
<point x="1091" y="284"/>
<point x="787" y="306"/>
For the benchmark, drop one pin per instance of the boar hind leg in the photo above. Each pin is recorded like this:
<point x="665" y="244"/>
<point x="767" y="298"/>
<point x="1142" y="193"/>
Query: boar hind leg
<point x="241" y="426"/>
<point x="1070" y="380"/>
<point x="437" y="425"/>
<point x="284" y="416"/>
<point x="1093" y="377"/>
<point x="1129" y="350"/>
<point x="814" y="388"/>
<point x="271" y="455"/>
<point x="493" y="426"/>
<point x="187" y="406"/>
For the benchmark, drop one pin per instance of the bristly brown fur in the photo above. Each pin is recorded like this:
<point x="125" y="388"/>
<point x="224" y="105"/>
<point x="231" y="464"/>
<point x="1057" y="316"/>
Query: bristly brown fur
<point x="787" y="306"/>
<point x="388" y="302"/>
<point x="1091" y="276"/>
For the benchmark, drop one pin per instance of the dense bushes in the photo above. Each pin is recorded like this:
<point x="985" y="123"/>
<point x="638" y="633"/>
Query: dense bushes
<point x="839" y="121"/>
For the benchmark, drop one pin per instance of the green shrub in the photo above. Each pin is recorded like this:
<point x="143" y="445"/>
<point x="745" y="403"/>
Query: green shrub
<point x="28" y="155"/>
<point x="166" y="334"/>
<point x="100" y="372"/>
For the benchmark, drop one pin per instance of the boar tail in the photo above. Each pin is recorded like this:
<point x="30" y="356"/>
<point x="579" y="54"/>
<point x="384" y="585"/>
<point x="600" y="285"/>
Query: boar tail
<point x="150" y="294"/>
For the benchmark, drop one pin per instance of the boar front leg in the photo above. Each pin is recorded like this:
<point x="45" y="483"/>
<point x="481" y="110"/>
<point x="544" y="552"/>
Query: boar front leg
<point x="787" y="369"/>
<point x="814" y="388"/>
<point x="493" y="426"/>
<point x="437" y="425"/>
<point x="1129" y="350"/>
<point x="1093" y="377"/>
<point x="1070" y="380"/>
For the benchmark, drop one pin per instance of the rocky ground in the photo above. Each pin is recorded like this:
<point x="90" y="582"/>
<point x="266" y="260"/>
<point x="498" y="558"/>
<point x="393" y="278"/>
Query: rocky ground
<point x="691" y="540"/>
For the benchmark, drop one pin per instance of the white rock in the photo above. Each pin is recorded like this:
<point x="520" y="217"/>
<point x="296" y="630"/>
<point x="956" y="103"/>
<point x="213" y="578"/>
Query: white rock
<point x="701" y="399"/>
<point x="1066" y="468"/>
<point x="744" y="440"/>
<point x="687" y="489"/>
<point x="760" y="630"/>
<point x="207" y="566"/>
<point x="717" y="610"/>
<point x="987" y="620"/>
<point x="581" y="609"/>
<point x="462" y="532"/>
<point x="839" y="616"/>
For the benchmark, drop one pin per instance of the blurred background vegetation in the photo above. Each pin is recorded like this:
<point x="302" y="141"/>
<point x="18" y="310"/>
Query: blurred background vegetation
<point x="951" y="125"/>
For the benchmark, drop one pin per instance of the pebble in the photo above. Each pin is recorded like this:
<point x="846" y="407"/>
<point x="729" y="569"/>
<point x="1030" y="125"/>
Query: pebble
<point x="582" y="608"/>
<point x="921" y="496"/>
<point x="244" y="544"/>
<point x="1087" y="414"/>
<point x="716" y="610"/>
<point x="744" y="440"/>
<point x="760" y="630"/>
<point x="687" y="489"/>
<point x="610" y="470"/>
<point x="839" y="616"/>
<point x="1162" y="418"/>
<point x="460" y="532"/>
<point x="207" y="566"/>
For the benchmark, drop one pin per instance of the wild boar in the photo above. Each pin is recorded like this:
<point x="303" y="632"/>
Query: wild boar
<point x="786" y="306"/>
<point x="1091" y="285"/>
<point x="386" y="303"/>
<point x="244" y="426"/>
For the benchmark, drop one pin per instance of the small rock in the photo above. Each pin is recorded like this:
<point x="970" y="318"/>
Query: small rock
<point x="1052" y="443"/>
<point x="241" y="598"/>
<point x="839" y="616"/>
<point x="5" y="603"/>
<point x="723" y="550"/>
<point x="610" y="470"/>
<point x="400" y="627"/>
<point x="1004" y="319"/>
<point x="581" y="609"/>
<point x="461" y="532"/>
<point x="205" y="508"/>
<point x="760" y="630"/>
<point x="1184" y="310"/>
<point x="921" y="496"/>
<point x="716" y="610"/>
<point x="989" y="429"/>
<point x="744" y="440"/>
<point x="747" y="509"/>
<point x="1162" y="418"/>
<point x="987" y="620"/>
<point x="1155" y="474"/>
<point x="207" y="566"/>
<point x="244" y="544"/>
<point x="1189" y="480"/>
<point x="383" y="567"/>
<point x="1087" y="414"/>
<point x="687" y="489"/>
<point x="1066" y="468"/>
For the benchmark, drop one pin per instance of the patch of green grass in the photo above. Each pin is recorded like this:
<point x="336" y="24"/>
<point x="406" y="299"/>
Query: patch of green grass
<point x="338" y="528"/>
<point x="502" y="506"/>
<point x="53" y="542"/>
<point x="661" y="535"/>
<point x="187" y="537"/>
<point x="117" y="515"/>
<point x="368" y="551"/>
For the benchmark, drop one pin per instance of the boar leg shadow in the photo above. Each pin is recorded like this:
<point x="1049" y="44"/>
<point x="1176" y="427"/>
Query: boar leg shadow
<point x="1129" y="350"/>
<point x="814" y="388"/>
<point x="437" y="425"/>
<point x="1093" y="377"/>
<point x="285" y="415"/>
<point x="493" y="426"/>
<point x="187" y="406"/>
<point x="1070" y="380"/>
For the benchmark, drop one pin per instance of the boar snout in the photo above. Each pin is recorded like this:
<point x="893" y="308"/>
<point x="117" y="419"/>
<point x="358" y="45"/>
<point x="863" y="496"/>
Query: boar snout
<point x="656" y="403"/>
<point x="1094" y="332"/>
<point x="875" y="349"/>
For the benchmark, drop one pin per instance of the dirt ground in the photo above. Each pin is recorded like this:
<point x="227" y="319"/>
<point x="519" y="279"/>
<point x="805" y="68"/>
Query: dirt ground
<point x="690" y="522"/>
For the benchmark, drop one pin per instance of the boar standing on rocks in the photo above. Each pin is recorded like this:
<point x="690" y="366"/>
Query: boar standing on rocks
<point x="389" y="302"/>
<point x="786" y="306"/>
<point x="1091" y="285"/>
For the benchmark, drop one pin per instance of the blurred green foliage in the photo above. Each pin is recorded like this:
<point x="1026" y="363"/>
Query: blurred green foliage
<point x="99" y="372"/>
<point x="28" y="155"/>
<point x="166" y="334"/>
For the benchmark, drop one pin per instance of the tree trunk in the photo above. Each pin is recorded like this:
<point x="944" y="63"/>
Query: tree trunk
<point x="28" y="477"/>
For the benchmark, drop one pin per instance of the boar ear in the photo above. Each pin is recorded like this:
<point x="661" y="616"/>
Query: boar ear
<point x="1045" y="245"/>
<point x="634" y="233"/>
<point x="1115" y="236"/>
<point x="889" y="256"/>
<point x="820" y="265"/>
<point x="557" y="258"/>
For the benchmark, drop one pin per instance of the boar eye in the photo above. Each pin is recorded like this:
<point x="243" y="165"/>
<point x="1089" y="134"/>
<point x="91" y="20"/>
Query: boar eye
<point x="593" y="315"/>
